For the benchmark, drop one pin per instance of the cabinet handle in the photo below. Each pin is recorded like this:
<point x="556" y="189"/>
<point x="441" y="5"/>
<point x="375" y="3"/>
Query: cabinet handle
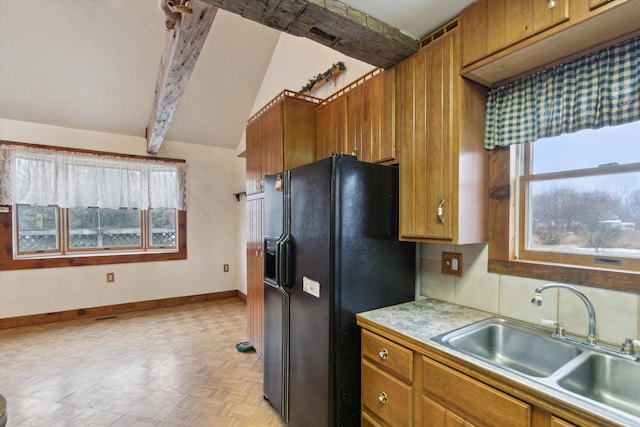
<point x="383" y="353"/>
<point x="382" y="397"/>
<point x="552" y="4"/>
<point x="440" y="212"/>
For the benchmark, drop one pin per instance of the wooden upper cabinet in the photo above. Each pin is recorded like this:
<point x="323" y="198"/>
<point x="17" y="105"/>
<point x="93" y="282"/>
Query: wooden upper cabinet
<point x="440" y="129"/>
<point x="473" y="20"/>
<point x="280" y="136"/>
<point x="506" y="39"/>
<point x="331" y="127"/>
<point x="370" y="118"/>
<point x="359" y="120"/>
<point x="545" y="17"/>
<point x="492" y="25"/>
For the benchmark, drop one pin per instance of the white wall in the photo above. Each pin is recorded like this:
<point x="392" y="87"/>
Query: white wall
<point x="213" y="233"/>
<point x="618" y="313"/>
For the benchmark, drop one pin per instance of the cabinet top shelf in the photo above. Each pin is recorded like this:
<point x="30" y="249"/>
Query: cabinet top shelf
<point x="285" y="93"/>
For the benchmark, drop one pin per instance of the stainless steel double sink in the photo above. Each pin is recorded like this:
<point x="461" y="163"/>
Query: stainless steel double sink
<point x="590" y="373"/>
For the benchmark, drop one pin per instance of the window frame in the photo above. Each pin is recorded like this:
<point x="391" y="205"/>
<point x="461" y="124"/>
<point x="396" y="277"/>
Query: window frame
<point x="59" y="237"/>
<point x="66" y="232"/>
<point x="7" y="261"/>
<point x="502" y="239"/>
<point x="149" y="236"/>
<point x="527" y="177"/>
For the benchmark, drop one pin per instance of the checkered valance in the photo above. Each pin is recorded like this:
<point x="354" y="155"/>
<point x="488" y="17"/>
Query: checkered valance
<point x="590" y="92"/>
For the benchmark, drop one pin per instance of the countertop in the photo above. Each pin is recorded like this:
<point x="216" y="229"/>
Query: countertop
<point x="421" y="320"/>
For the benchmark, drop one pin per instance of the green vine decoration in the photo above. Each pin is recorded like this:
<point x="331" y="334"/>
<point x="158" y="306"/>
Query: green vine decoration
<point x="324" y="77"/>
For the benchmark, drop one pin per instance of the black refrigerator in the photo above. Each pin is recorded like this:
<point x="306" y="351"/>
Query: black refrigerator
<point x="331" y="250"/>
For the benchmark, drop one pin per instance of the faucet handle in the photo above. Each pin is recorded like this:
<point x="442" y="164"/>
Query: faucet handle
<point x="628" y="346"/>
<point x="559" y="328"/>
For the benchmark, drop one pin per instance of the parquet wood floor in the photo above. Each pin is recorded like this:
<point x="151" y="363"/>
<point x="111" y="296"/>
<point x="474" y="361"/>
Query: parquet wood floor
<point x="173" y="366"/>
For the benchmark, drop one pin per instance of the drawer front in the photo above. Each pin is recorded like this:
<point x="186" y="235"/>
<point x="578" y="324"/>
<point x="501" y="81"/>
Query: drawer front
<point x="477" y="402"/>
<point x="386" y="397"/>
<point x="388" y="356"/>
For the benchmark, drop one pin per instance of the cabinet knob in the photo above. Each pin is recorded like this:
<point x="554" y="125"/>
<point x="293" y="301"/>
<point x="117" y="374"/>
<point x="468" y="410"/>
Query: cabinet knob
<point x="383" y="353"/>
<point x="382" y="397"/>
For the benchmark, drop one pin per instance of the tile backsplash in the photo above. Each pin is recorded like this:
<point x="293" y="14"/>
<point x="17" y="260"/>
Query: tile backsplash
<point x="617" y="313"/>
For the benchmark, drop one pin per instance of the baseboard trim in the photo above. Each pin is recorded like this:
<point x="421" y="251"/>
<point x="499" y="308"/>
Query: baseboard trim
<point x="110" y="310"/>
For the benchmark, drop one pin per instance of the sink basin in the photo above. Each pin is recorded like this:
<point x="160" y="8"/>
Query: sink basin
<point x="606" y="379"/>
<point x="591" y="374"/>
<point x="512" y="345"/>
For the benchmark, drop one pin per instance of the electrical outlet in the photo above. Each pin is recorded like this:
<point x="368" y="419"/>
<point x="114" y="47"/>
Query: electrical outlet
<point x="452" y="264"/>
<point x="111" y="277"/>
<point x="225" y="268"/>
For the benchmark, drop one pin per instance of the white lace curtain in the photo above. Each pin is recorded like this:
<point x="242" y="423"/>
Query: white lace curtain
<point x="42" y="177"/>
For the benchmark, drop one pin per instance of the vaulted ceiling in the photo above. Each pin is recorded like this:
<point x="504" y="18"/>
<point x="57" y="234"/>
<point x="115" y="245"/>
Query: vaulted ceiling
<point x="93" y="64"/>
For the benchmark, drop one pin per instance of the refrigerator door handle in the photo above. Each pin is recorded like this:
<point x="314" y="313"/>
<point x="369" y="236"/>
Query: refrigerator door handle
<point x="285" y="265"/>
<point x="279" y="260"/>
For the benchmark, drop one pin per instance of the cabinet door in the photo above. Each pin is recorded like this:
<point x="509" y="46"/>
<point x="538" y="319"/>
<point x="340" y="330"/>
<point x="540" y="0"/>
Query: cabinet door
<point x="331" y="128"/>
<point x="264" y="147"/>
<point x="255" y="267"/>
<point x="545" y="17"/>
<point x="370" y="119"/>
<point x="387" y="142"/>
<point x="518" y="20"/>
<point x="356" y="131"/>
<point x="254" y="157"/>
<point x="272" y="146"/>
<point x="473" y="21"/>
<point x="423" y="128"/>
<point x="434" y="415"/>
<point x="496" y="25"/>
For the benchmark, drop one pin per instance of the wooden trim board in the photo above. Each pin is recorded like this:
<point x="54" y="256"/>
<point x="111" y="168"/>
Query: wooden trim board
<point x="111" y="310"/>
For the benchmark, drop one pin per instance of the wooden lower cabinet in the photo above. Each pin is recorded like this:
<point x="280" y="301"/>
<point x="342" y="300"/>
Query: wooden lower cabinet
<point x="403" y="386"/>
<point x="434" y="415"/>
<point x="387" y="382"/>
<point x="557" y="422"/>
<point x="385" y="396"/>
<point x="474" y="402"/>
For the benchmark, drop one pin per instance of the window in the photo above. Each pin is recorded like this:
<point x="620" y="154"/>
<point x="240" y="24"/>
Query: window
<point x="564" y="171"/>
<point x="579" y="198"/>
<point x="37" y="229"/>
<point x="63" y="207"/>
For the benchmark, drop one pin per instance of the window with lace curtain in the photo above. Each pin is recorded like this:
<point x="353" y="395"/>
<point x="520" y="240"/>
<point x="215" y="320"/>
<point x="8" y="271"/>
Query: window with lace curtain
<point x="70" y="207"/>
<point x="565" y="171"/>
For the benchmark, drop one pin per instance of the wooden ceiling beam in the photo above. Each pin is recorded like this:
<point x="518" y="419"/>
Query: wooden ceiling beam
<point x="182" y="47"/>
<point x="330" y="23"/>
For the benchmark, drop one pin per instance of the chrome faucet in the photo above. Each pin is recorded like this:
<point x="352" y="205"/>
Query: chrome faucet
<point x="537" y="301"/>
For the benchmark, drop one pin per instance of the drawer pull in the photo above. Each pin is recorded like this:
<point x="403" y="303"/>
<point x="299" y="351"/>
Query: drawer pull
<point x="382" y="397"/>
<point x="383" y="353"/>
